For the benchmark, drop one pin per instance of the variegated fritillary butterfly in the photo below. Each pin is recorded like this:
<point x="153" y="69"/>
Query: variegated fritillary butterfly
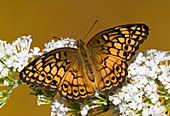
<point x="101" y="64"/>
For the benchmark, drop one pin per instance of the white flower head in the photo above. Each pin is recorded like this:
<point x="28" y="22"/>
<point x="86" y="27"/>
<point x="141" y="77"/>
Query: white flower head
<point x="59" y="44"/>
<point x="4" y="72"/>
<point x="2" y="54"/>
<point x="140" y="58"/>
<point x="58" y="107"/>
<point x="84" y="110"/>
<point x="6" y="83"/>
<point x="36" y="51"/>
<point x="115" y="99"/>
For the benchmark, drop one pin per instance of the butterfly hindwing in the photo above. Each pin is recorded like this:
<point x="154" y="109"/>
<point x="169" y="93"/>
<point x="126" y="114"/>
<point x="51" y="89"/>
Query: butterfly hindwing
<point x="121" y="42"/>
<point x="111" y="72"/>
<point x="76" y="86"/>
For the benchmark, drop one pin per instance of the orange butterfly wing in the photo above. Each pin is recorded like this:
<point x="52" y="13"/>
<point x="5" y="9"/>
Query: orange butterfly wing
<point x="111" y="49"/>
<point x="60" y="70"/>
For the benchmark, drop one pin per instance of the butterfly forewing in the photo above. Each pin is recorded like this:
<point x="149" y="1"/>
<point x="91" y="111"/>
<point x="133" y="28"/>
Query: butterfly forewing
<point x="110" y="49"/>
<point x="49" y="69"/>
<point x="60" y="70"/>
<point x="121" y="42"/>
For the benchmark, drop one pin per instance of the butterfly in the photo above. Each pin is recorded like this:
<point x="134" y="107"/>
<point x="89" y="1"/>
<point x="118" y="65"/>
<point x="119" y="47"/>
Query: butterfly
<point x="100" y="65"/>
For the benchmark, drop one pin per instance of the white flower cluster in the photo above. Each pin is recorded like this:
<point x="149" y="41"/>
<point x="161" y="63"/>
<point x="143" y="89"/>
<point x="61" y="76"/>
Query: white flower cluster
<point x="15" y="55"/>
<point x="59" y="44"/>
<point x="141" y="94"/>
<point x="58" y="107"/>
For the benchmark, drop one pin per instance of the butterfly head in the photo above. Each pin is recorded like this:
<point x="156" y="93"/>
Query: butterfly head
<point x="80" y="43"/>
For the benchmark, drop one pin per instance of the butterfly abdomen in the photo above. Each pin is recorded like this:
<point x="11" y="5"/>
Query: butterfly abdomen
<point x="89" y="69"/>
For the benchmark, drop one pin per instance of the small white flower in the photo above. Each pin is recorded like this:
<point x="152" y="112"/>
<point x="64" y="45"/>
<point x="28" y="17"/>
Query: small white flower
<point x="154" y="71"/>
<point x="138" y="96"/>
<point x="154" y="97"/>
<point x="84" y="110"/>
<point x="4" y="72"/>
<point x="164" y="78"/>
<point x="1" y="66"/>
<point x="164" y="68"/>
<point x="132" y="88"/>
<point x="159" y="56"/>
<point x="6" y="83"/>
<point x="10" y="49"/>
<point x="132" y="69"/>
<point x="150" y="87"/>
<point x="125" y="94"/>
<point x="96" y="93"/>
<point x="19" y="65"/>
<point x="140" y="58"/>
<point x="142" y="70"/>
<point x="115" y="99"/>
<point x="133" y="105"/>
<point x="168" y="87"/>
<point x="141" y="80"/>
<point x="59" y="44"/>
<point x="122" y="107"/>
<point x="145" y="112"/>
<point x="10" y="61"/>
<point x="58" y="107"/>
<point x="2" y="54"/>
<point x="36" y="51"/>
<point x="156" y="110"/>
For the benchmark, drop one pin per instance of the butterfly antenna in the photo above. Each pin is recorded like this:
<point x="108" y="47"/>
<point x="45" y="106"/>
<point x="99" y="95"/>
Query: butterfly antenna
<point x="90" y="29"/>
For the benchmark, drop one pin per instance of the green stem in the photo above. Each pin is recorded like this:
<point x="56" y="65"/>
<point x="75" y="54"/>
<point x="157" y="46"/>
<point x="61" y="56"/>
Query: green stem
<point x="100" y="98"/>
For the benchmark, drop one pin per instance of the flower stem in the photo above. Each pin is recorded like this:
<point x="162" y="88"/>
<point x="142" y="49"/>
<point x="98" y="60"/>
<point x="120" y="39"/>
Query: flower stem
<point x="160" y="92"/>
<point x="162" y="101"/>
<point x="100" y="98"/>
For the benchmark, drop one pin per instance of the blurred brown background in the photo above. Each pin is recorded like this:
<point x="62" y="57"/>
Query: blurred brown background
<point x="72" y="18"/>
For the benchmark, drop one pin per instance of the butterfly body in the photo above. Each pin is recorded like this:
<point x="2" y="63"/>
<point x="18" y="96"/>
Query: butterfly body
<point x="85" y="60"/>
<point x="101" y="64"/>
